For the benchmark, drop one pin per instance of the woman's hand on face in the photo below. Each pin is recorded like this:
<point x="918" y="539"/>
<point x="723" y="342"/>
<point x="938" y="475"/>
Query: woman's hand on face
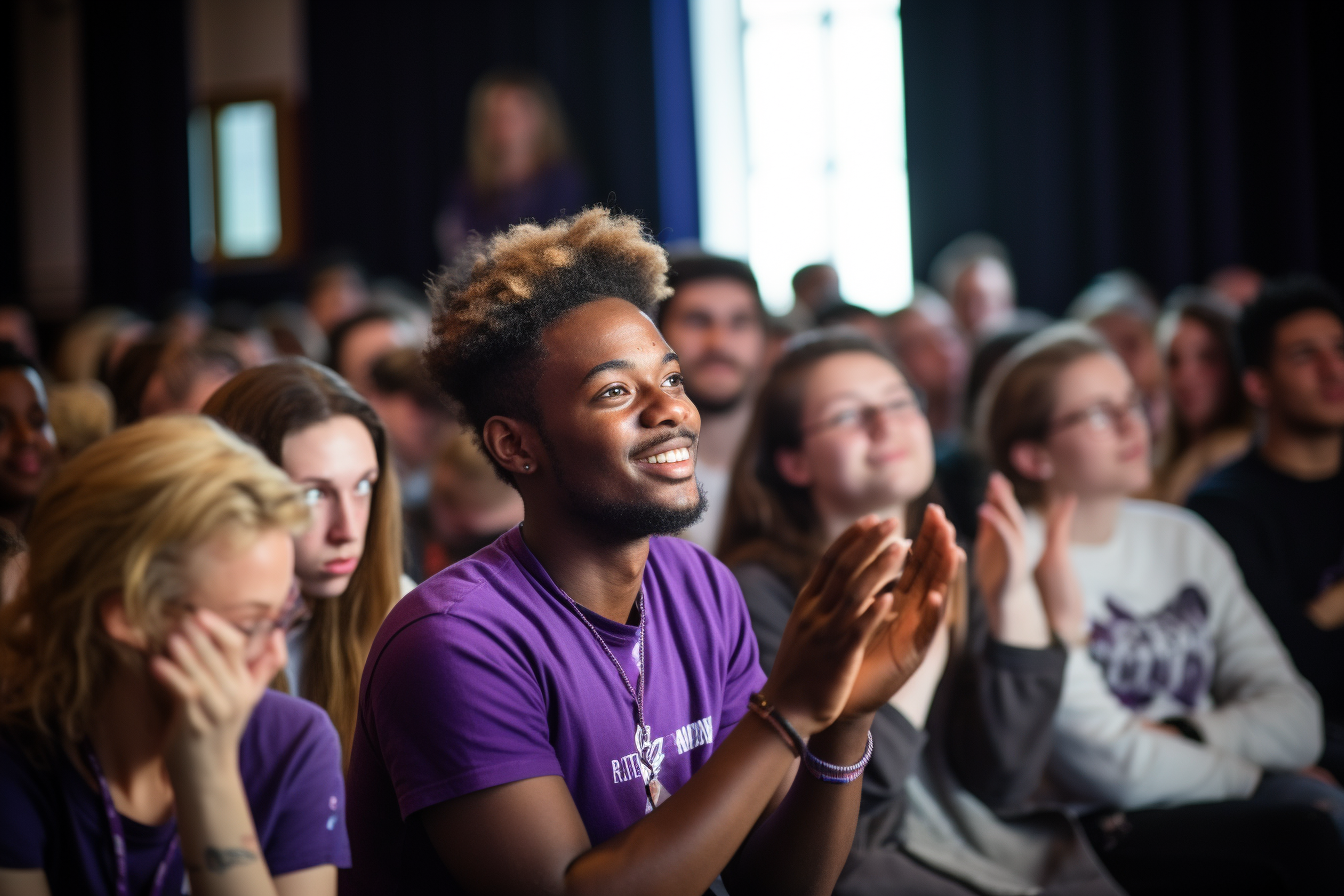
<point x="1061" y="594"/>
<point x="834" y="621"/>
<point x="215" y="687"/>
<point x="910" y="622"/>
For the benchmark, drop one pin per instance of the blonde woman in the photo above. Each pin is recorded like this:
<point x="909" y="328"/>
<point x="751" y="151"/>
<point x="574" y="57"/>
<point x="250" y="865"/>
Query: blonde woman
<point x="138" y="741"/>
<point x="313" y="425"/>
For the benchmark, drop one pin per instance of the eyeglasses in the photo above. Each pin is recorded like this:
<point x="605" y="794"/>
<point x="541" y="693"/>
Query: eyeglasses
<point x="864" y="415"/>
<point x="1102" y="415"/>
<point x="291" y="612"/>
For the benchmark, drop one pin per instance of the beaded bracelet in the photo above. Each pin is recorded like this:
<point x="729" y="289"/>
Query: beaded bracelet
<point x="817" y="768"/>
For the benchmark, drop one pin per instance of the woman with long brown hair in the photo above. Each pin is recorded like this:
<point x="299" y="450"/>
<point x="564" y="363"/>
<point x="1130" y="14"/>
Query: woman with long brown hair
<point x="839" y="434"/>
<point x="310" y="423"/>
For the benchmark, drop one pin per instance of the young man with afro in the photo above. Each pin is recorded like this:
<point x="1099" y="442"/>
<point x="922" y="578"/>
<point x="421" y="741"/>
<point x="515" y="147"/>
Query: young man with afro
<point x="578" y="707"/>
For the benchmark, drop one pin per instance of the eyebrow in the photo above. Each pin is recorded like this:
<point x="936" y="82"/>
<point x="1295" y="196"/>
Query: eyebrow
<point x="620" y="364"/>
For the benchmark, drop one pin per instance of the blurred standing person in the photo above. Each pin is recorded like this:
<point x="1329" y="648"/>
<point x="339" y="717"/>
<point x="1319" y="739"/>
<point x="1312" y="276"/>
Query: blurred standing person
<point x="27" y="441"/>
<point x="933" y="354"/>
<point x="519" y="164"/>
<point x="715" y="322"/>
<point x="1210" y="421"/>
<point x="1120" y="307"/>
<point x="974" y="273"/>
<point x="1281" y="506"/>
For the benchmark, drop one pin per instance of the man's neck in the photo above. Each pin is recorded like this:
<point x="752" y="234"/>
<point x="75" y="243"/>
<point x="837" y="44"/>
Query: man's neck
<point x="721" y="435"/>
<point x="1302" y="455"/>
<point x="129" y="734"/>
<point x="598" y="573"/>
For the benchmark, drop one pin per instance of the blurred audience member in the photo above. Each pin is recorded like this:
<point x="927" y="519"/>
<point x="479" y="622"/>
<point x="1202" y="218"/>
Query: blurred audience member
<point x="311" y="424"/>
<point x="187" y="375"/>
<point x="518" y="162"/>
<point x="932" y="352"/>
<point x="853" y="317"/>
<point x="337" y="291"/>
<point x="1210" y="418"/>
<point x="974" y="273"/>
<point x="1281" y="507"/>
<point x="16" y="326"/>
<point x="356" y="344"/>
<point x="293" y="332"/>
<point x="1178" y="692"/>
<point x="715" y="322"/>
<point x="839" y="434"/>
<point x="95" y="342"/>
<point x="81" y="414"/>
<point x="140" y="748"/>
<point x="963" y="472"/>
<point x="252" y="342"/>
<point x="417" y="421"/>
<point x="469" y="505"/>
<point x="1237" y="284"/>
<point x="816" y="287"/>
<point x="27" y="441"/>
<point x="1120" y="307"/>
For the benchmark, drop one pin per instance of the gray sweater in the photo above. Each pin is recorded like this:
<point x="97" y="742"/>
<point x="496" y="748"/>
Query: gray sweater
<point x="946" y="810"/>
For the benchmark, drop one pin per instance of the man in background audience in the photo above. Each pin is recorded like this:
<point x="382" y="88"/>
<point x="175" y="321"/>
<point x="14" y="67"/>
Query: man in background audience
<point x="934" y="356"/>
<point x="815" y="288"/>
<point x="337" y="292"/>
<point x="1120" y="307"/>
<point x="1281" y="507"/>
<point x="974" y="274"/>
<point x="715" y="322"/>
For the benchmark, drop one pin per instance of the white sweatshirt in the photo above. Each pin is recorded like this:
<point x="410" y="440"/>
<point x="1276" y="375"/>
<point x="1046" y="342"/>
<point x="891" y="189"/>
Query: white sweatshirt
<point x="1173" y="631"/>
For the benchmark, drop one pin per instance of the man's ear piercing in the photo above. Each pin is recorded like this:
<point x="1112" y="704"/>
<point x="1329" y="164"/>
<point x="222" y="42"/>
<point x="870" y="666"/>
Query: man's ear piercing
<point x="526" y="467"/>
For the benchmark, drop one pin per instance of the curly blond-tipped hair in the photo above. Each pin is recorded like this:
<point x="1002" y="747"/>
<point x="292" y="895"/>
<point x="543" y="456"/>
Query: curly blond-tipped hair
<point x="123" y="517"/>
<point x="490" y="311"/>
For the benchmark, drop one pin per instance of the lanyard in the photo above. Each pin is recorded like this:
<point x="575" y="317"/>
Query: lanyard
<point x="653" y="788"/>
<point x="119" y="836"/>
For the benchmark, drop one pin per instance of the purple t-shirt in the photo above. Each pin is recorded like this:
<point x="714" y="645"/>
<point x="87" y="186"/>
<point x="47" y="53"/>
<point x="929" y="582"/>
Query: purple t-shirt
<point x="290" y="759"/>
<point x="484" y="675"/>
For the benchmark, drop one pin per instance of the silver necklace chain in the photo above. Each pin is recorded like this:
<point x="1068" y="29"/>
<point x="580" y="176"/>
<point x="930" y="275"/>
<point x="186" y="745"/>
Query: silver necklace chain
<point x="638" y="695"/>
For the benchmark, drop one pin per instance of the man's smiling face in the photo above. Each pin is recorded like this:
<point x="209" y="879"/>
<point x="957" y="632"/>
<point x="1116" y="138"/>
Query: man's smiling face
<point x="619" y="431"/>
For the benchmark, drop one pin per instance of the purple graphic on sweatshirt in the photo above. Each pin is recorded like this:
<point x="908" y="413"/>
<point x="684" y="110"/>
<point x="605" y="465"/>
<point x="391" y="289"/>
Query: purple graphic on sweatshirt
<point x="1167" y="652"/>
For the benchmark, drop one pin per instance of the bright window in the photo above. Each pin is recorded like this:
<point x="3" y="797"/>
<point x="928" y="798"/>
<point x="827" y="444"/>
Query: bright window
<point x="800" y="123"/>
<point x="235" y="181"/>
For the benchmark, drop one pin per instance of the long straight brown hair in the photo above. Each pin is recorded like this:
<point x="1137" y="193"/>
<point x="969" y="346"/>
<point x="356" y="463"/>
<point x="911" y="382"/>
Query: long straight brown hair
<point x="770" y="521"/>
<point x="264" y="405"/>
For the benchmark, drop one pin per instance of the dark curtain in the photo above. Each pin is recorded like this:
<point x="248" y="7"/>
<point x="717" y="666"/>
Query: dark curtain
<point x="388" y="85"/>
<point x="1169" y="136"/>
<point x="11" y="245"/>
<point x="135" y="152"/>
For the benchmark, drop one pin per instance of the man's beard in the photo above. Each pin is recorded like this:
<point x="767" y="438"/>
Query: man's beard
<point x="625" y="520"/>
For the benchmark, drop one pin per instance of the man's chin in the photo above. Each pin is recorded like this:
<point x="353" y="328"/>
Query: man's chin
<point x="631" y="519"/>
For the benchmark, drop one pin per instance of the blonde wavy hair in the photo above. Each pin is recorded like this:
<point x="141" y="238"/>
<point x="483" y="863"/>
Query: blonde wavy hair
<point x="123" y="517"/>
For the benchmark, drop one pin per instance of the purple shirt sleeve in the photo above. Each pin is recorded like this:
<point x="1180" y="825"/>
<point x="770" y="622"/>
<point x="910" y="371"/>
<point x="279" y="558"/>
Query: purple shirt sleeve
<point x="456" y="708"/>
<point x="290" y="757"/>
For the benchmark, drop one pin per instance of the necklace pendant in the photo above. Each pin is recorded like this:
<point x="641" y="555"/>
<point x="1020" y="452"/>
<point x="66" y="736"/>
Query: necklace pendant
<point x="657" y="793"/>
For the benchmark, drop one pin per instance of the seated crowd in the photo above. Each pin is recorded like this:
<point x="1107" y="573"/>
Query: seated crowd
<point x="961" y="600"/>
